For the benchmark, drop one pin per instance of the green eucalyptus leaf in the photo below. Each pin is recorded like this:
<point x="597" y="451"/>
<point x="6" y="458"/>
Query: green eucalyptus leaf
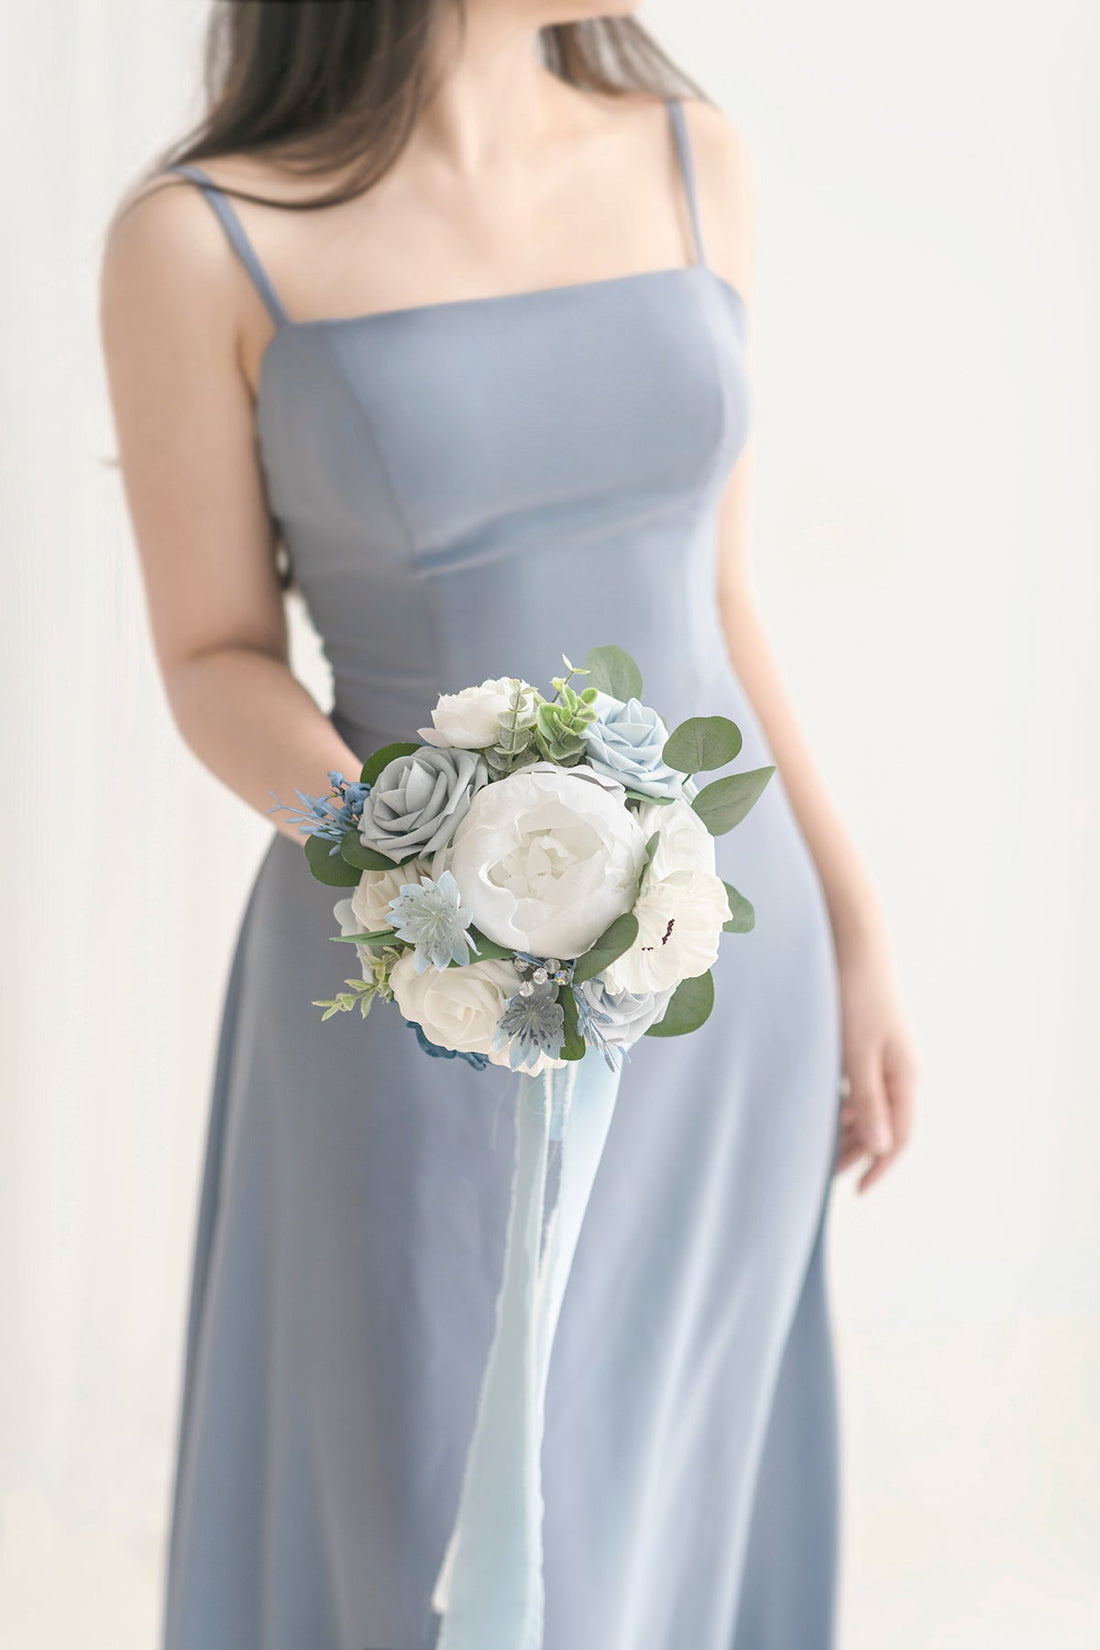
<point x="616" y="939"/>
<point x="640" y="796"/>
<point x="702" y="742"/>
<point x="331" y="869"/>
<point x="613" y="671"/>
<point x="363" y="858"/>
<point x="384" y="936"/>
<point x="743" y="919"/>
<point x="373" y="766"/>
<point x="572" y="1047"/>
<point x="486" y="948"/>
<point x="690" y="1005"/>
<point x="724" y="802"/>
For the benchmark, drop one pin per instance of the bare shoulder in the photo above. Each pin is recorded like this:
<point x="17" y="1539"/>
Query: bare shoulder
<point x="728" y="190"/>
<point x="166" y="263"/>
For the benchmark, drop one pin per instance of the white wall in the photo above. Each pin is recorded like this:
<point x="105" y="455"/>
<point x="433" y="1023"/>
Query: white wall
<point x="927" y="554"/>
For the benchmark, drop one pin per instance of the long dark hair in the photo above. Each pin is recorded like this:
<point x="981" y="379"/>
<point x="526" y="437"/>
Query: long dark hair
<point x="337" y="86"/>
<point x="324" y="86"/>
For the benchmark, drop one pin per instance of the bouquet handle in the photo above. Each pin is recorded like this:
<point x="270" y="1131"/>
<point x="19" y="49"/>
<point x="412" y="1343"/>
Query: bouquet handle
<point x="490" y="1586"/>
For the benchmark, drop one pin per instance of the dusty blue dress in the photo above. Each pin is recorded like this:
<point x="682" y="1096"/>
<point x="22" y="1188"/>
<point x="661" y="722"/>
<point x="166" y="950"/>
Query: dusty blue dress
<point x="470" y="489"/>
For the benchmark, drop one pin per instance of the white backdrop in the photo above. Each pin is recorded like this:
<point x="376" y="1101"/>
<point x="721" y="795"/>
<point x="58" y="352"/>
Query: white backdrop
<point x="927" y="555"/>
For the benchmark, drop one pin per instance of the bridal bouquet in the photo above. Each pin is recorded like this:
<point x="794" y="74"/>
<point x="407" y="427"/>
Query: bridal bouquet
<point x="536" y="880"/>
<point x="533" y="883"/>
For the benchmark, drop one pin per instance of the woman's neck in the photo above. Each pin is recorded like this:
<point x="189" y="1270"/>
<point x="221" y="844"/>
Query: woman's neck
<point x="493" y="96"/>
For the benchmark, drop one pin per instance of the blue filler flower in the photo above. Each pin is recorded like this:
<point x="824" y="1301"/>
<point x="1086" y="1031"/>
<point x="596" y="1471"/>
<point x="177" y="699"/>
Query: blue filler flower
<point x="592" y="1023"/>
<point x="533" y="1023"/>
<point x="327" y="816"/>
<point x="478" y="1061"/>
<point x="430" y="916"/>
<point x="612" y="1020"/>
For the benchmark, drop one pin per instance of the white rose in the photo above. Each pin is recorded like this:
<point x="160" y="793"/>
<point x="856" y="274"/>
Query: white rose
<point x="350" y="924"/>
<point x="684" y="843"/>
<point x="346" y="917"/>
<point x="456" y="1008"/>
<point x="547" y="858"/>
<point x="680" y="919"/>
<point x="468" y="720"/>
<point x="370" y="902"/>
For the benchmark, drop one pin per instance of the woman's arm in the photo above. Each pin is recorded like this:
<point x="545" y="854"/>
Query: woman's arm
<point x="879" y="1056"/>
<point x="172" y="302"/>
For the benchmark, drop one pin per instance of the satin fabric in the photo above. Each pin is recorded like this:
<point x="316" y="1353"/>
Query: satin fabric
<point x="491" y="1587"/>
<point x="471" y="489"/>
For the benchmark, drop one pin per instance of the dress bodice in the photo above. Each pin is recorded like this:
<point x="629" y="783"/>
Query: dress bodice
<point x="471" y="488"/>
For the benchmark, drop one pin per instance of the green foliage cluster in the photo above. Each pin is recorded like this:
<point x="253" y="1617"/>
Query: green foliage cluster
<point x="515" y="746"/>
<point x="560" y="722"/>
<point x="374" y="985"/>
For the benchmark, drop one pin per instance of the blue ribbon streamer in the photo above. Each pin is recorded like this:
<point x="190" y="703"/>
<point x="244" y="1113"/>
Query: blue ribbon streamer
<point x="490" y="1586"/>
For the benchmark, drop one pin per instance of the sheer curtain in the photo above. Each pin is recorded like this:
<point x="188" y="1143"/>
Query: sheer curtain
<point x="127" y="874"/>
<point x="926" y="554"/>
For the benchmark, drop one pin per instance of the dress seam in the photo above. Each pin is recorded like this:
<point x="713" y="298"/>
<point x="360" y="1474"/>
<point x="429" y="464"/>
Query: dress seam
<point x="412" y="548"/>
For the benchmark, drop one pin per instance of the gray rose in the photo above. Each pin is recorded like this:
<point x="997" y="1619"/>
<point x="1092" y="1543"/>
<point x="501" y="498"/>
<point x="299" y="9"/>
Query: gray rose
<point x="417" y="801"/>
<point x="624" y="1016"/>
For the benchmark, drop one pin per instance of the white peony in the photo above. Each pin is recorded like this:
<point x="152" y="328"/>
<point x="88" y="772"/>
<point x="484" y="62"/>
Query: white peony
<point x="547" y="858"/>
<point x="684" y="843"/>
<point x="680" y="919"/>
<point x="468" y="720"/>
<point x="455" y="1007"/>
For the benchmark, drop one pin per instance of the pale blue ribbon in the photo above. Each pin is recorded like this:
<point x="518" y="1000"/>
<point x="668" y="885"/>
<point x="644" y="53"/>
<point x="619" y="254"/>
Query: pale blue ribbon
<point x="490" y="1586"/>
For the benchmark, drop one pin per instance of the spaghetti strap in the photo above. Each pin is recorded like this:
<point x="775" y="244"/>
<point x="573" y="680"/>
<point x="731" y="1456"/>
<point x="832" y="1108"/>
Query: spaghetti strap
<point x="240" y="242"/>
<point x="687" y="171"/>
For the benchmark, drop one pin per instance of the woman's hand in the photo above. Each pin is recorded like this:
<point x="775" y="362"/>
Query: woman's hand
<point x="880" y="1062"/>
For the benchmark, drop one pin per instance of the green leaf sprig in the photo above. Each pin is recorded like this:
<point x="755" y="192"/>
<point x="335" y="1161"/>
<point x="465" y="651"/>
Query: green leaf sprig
<point x="560" y="722"/>
<point x="515" y="746"/>
<point x="375" y="985"/>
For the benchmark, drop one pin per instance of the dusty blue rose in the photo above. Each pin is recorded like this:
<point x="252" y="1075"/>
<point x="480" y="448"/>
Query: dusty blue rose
<point x="417" y="801"/>
<point x="625" y="743"/>
<point x="623" y="1016"/>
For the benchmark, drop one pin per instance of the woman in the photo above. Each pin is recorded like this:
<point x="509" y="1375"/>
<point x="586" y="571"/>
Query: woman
<point x="466" y="335"/>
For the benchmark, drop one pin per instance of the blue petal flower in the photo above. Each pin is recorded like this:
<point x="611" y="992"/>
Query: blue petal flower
<point x="533" y="1023"/>
<point x="430" y="916"/>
